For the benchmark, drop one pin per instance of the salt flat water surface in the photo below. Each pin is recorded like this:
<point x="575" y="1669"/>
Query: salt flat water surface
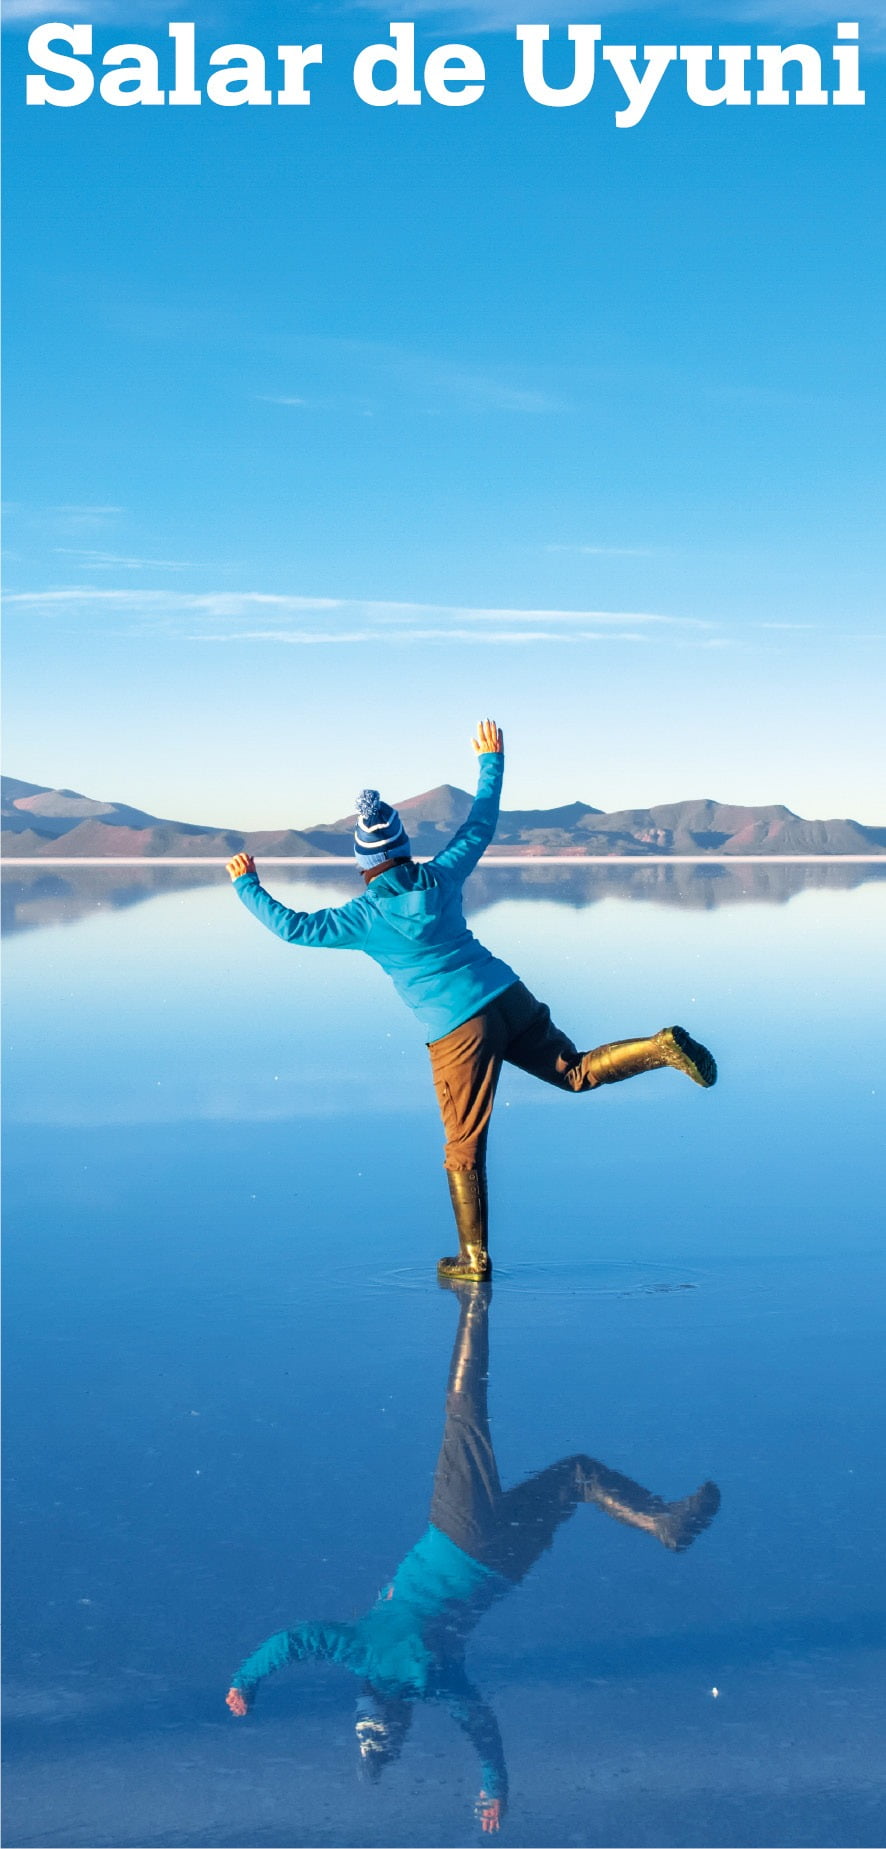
<point x="226" y="1364"/>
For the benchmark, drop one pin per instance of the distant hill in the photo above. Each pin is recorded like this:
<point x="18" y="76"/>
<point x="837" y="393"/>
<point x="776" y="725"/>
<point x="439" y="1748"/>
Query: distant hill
<point x="44" y="823"/>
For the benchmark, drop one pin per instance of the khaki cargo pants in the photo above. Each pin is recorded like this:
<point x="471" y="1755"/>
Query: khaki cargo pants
<point x="466" y="1065"/>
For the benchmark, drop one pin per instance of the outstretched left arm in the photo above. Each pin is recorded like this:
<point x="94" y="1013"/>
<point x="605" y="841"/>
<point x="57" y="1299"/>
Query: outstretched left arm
<point x="336" y="927"/>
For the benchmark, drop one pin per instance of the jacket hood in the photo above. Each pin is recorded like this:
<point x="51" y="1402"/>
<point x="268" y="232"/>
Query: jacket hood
<point x="404" y="904"/>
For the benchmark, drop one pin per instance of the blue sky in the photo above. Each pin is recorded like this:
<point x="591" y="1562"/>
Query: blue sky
<point x="331" y="429"/>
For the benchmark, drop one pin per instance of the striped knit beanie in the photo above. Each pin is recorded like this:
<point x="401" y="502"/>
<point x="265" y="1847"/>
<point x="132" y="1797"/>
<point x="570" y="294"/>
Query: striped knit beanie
<point x="379" y="834"/>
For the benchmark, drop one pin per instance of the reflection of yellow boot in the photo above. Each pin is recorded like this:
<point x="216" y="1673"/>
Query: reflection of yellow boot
<point x="674" y="1524"/>
<point x="682" y="1521"/>
<point x="469" y="1367"/>
<point x="467" y="1189"/>
<point x="623" y="1059"/>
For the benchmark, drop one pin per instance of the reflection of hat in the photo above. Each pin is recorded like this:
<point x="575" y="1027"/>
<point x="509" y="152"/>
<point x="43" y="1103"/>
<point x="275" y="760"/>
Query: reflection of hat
<point x="381" y="1726"/>
<point x="379" y="834"/>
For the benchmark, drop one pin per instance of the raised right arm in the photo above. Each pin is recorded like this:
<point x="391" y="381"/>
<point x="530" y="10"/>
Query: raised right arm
<point x="461" y="855"/>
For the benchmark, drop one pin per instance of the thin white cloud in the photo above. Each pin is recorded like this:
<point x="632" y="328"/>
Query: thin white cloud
<point x="376" y="614"/>
<point x="216" y="604"/>
<point x="495" y="394"/>
<point x="78" y="518"/>
<point x="88" y="512"/>
<point x="506" y="613"/>
<point x="375" y="376"/>
<point x="107" y="560"/>
<point x="326" y="637"/>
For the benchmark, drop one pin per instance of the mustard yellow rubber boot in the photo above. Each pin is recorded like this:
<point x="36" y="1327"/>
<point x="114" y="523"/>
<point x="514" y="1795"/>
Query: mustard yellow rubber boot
<point x="467" y="1190"/>
<point x="624" y="1059"/>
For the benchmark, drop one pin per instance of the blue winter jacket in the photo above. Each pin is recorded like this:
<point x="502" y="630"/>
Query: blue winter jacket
<point x="410" y="921"/>
<point x="410" y="1644"/>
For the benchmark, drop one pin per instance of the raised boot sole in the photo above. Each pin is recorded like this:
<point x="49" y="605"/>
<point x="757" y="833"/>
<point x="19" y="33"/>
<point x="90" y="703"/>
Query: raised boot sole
<point x="692" y="1058"/>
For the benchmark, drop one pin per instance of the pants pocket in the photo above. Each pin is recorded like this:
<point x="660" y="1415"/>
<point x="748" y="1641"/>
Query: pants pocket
<point x="447" y="1109"/>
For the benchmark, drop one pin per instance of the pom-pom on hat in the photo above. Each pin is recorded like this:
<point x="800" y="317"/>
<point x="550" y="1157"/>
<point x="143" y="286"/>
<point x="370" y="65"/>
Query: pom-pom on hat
<point x="379" y="834"/>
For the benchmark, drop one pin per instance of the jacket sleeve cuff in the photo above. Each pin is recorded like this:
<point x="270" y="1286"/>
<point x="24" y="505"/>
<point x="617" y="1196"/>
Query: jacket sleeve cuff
<point x="490" y="768"/>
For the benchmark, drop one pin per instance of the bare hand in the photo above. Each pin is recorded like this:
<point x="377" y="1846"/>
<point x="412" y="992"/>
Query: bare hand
<point x="236" y="1701"/>
<point x="488" y="738"/>
<point x="241" y="863"/>
<point x="488" y="1812"/>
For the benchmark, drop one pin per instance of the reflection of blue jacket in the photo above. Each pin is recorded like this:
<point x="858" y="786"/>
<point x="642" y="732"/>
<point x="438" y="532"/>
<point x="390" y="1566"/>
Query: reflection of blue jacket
<point x="410" y="920"/>
<point x="410" y="1644"/>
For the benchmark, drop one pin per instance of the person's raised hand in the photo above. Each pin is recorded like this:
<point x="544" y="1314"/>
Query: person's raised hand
<point x="488" y="1811"/>
<point x="241" y="863"/>
<point x="488" y="737"/>
<point x="236" y="1701"/>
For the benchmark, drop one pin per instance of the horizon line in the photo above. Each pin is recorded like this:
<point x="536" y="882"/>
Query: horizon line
<point x="495" y="860"/>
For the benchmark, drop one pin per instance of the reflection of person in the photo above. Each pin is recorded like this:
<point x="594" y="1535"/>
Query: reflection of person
<point x="474" y="1008"/>
<point x="481" y="1540"/>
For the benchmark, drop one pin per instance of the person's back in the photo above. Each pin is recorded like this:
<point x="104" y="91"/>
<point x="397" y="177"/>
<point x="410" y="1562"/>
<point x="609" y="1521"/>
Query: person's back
<point x="416" y="931"/>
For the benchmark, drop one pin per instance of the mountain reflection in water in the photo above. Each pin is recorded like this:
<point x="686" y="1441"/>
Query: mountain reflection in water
<point x="35" y="897"/>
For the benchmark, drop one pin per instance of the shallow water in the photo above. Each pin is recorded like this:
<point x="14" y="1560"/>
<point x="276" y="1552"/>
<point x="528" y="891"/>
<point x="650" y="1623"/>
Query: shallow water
<point x="227" y="1355"/>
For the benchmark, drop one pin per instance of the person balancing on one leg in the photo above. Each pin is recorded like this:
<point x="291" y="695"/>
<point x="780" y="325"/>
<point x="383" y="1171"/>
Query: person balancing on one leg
<point x="474" y="1008"/>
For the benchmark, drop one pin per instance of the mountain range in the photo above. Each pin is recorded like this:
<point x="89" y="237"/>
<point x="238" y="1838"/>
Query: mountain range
<point x="39" y="822"/>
